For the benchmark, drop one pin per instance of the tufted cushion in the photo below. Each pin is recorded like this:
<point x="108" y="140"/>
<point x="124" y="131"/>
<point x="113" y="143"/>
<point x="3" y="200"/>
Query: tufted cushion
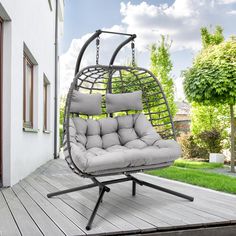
<point x="94" y="141"/>
<point x="125" y="122"/>
<point x="132" y="131"/>
<point x="124" y="102"/>
<point x="80" y="125"/>
<point x="127" y="135"/>
<point x="108" y="125"/>
<point x="120" y="142"/>
<point x="93" y="127"/>
<point x="109" y="140"/>
<point x="88" y="104"/>
<point x="137" y="143"/>
<point x="145" y="130"/>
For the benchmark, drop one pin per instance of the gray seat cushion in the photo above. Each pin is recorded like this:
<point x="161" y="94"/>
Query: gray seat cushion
<point x="116" y="143"/>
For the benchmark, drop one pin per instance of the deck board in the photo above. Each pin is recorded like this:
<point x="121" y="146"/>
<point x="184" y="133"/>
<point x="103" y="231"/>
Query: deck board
<point x="7" y="222"/>
<point x="59" y="218"/>
<point x="24" y="221"/>
<point x="79" y="216"/>
<point x="46" y="225"/>
<point x="172" y="203"/>
<point x="26" y="210"/>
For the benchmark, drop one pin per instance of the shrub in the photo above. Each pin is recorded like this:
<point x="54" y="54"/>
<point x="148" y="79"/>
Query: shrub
<point x="208" y="117"/>
<point x="212" y="140"/>
<point x="191" y="150"/>
<point x="62" y="107"/>
<point x="61" y="134"/>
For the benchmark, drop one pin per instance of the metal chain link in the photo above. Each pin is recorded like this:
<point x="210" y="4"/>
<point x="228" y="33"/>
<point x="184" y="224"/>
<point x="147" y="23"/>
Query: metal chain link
<point x="97" y="49"/>
<point x="133" y="53"/>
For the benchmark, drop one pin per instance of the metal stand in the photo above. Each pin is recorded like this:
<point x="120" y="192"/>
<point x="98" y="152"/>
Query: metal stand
<point x="166" y="190"/>
<point x="103" y="188"/>
<point x="133" y="188"/>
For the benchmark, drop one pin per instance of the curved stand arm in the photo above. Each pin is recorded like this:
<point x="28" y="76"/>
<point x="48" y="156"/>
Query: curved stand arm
<point x="133" y="36"/>
<point x="94" y="36"/>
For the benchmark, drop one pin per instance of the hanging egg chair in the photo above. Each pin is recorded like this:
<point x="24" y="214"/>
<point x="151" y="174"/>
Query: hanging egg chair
<point x="117" y="121"/>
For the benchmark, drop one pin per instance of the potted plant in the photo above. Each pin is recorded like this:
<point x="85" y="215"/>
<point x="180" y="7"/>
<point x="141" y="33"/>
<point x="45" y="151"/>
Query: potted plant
<point x="212" y="140"/>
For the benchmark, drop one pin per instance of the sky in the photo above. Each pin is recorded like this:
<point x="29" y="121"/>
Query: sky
<point x="180" y="20"/>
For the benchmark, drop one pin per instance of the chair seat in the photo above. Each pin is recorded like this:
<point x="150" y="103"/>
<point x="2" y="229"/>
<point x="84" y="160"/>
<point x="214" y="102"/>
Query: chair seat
<point x="120" y="143"/>
<point x="122" y="157"/>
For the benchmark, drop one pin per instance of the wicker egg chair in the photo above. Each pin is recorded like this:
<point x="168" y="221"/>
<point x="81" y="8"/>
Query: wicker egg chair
<point x="152" y="127"/>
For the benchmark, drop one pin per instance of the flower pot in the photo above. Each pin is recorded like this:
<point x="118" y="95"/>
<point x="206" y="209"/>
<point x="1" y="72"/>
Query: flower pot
<point x="216" y="158"/>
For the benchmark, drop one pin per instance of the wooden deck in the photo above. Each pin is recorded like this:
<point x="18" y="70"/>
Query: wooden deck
<point x="25" y="209"/>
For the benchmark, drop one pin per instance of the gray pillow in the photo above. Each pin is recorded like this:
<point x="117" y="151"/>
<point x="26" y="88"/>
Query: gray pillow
<point x="89" y="104"/>
<point x="124" y="101"/>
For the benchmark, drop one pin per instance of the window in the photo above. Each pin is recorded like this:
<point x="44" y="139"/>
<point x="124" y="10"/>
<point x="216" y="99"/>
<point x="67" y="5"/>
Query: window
<point x="46" y="94"/>
<point x="28" y="94"/>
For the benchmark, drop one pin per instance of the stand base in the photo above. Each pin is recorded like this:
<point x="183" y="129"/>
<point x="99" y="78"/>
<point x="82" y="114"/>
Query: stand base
<point x="103" y="188"/>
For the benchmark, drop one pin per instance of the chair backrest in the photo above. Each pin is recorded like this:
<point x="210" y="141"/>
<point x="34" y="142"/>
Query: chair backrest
<point x="120" y="79"/>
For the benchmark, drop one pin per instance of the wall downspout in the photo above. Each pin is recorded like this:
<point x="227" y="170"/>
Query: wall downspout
<point x="56" y="82"/>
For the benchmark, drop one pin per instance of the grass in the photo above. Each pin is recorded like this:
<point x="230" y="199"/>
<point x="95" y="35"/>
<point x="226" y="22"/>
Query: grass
<point x="196" y="173"/>
<point x="197" y="164"/>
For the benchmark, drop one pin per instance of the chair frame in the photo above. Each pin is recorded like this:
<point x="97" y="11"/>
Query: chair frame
<point x="103" y="185"/>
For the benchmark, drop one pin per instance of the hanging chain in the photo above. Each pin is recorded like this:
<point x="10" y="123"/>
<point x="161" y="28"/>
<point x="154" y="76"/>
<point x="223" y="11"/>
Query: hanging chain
<point x="133" y="53"/>
<point x="97" y="49"/>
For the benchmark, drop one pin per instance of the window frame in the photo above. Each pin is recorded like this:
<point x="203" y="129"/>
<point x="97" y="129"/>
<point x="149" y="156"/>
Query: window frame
<point x="46" y="85"/>
<point x="50" y="5"/>
<point x="1" y="99"/>
<point x="30" y="123"/>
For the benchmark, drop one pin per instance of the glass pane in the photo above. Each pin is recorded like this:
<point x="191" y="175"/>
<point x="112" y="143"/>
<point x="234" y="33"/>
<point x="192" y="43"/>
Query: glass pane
<point x="28" y="92"/>
<point x="45" y="105"/>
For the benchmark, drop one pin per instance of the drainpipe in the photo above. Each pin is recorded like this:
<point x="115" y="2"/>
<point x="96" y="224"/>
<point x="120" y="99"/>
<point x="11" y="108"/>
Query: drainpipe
<point x="56" y="84"/>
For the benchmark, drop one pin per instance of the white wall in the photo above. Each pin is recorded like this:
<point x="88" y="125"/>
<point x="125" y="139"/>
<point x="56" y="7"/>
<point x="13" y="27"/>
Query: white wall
<point x="32" y="23"/>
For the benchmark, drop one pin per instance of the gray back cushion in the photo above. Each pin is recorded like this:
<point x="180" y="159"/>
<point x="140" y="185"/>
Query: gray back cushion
<point x="132" y="131"/>
<point x="124" y="102"/>
<point x="88" y="104"/>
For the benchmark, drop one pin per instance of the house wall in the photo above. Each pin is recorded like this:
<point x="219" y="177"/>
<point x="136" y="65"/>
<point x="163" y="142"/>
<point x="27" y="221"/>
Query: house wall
<point x="31" y="25"/>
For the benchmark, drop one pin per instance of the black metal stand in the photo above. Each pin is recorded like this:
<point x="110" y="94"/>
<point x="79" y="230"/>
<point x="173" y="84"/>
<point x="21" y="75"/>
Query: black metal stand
<point x="102" y="191"/>
<point x="103" y="188"/>
<point x="166" y="190"/>
<point x="133" y="188"/>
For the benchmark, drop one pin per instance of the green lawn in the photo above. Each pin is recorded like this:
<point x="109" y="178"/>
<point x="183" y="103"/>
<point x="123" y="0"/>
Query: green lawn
<point x="196" y="173"/>
<point x="197" y="164"/>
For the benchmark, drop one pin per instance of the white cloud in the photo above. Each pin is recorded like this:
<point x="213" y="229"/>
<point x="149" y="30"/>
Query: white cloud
<point x="181" y="21"/>
<point x="226" y="1"/>
<point x="107" y="45"/>
<point x="233" y="12"/>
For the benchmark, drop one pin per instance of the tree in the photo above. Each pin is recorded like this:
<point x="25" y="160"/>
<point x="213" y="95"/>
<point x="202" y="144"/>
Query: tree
<point x="212" y="80"/>
<point x="211" y="38"/>
<point x="161" y="67"/>
<point x="208" y="117"/>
